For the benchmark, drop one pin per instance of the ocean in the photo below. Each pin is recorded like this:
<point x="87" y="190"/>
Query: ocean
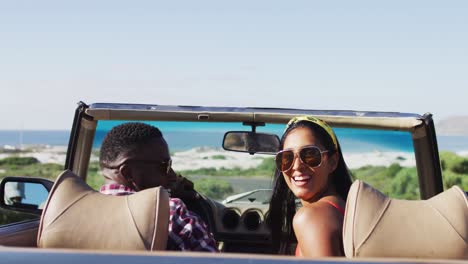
<point x="179" y="140"/>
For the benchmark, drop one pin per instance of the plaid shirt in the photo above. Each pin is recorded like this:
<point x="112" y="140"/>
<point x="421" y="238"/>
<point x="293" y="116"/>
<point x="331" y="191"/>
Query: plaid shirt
<point x="187" y="232"/>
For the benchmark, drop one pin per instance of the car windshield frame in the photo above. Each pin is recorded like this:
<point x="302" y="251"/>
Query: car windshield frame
<point x="421" y="128"/>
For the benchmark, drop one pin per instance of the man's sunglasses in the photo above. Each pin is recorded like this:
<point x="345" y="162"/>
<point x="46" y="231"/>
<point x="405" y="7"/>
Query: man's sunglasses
<point x="309" y="155"/>
<point x="163" y="166"/>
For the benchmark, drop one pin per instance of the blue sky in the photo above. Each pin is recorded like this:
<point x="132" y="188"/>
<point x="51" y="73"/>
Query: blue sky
<point x="406" y="56"/>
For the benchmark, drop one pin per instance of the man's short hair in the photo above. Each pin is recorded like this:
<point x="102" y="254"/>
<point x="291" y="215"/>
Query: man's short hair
<point x="126" y="138"/>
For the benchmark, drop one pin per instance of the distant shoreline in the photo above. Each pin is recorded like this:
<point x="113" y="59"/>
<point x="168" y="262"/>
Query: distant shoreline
<point x="17" y="139"/>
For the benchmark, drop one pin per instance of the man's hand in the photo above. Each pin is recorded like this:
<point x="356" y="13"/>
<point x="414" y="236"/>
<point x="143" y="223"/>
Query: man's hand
<point x="180" y="187"/>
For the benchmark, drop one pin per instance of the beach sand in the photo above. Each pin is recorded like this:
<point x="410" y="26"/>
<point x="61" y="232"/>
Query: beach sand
<point x="215" y="158"/>
<point x="43" y="153"/>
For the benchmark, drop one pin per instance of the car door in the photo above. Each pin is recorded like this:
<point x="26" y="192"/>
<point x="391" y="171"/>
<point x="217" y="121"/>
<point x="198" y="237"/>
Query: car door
<point x="21" y="204"/>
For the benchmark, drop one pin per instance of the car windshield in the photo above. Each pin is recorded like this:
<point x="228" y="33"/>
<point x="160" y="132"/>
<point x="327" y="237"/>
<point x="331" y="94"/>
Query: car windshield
<point x="384" y="159"/>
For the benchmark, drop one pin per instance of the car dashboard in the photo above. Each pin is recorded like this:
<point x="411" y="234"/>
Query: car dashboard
<point x="241" y="227"/>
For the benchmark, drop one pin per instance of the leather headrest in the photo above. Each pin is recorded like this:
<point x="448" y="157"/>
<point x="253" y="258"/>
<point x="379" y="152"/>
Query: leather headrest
<point x="378" y="226"/>
<point x="76" y="216"/>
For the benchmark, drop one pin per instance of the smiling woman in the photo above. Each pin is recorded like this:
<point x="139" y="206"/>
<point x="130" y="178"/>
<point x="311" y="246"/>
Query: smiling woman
<point x="311" y="168"/>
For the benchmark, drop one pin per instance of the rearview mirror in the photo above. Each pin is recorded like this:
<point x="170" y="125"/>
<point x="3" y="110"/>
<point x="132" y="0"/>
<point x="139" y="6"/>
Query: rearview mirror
<point x="251" y="142"/>
<point x="24" y="193"/>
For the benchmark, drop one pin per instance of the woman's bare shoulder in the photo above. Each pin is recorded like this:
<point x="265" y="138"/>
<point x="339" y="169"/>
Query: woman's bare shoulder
<point x="318" y="228"/>
<point x="320" y="213"/>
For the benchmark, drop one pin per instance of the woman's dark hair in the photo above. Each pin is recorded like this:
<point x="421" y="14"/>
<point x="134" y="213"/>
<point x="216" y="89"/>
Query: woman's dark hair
<point x="283" y="201"/>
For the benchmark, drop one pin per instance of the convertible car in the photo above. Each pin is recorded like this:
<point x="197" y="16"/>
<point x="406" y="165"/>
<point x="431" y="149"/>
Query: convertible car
<point x="399" y="210"/>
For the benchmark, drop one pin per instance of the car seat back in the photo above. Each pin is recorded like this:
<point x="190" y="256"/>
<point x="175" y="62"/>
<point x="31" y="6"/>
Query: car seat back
<point x="76" y="216"/>
<point x="378" y="226"/>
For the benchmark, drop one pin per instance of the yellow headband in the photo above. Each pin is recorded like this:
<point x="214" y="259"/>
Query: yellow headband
<point x="318" y="122"/>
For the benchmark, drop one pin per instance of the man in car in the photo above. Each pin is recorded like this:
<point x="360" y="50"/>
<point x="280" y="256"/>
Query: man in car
<point x="135" y="157"/>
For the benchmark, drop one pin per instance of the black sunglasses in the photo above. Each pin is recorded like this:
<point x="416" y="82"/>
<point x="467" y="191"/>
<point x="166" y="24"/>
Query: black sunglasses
<point x="309" y="155"/>
<point x="163" y="166"/>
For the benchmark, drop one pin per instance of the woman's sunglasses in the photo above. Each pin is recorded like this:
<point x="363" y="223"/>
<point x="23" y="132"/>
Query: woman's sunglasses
<point x="309" y="155"/>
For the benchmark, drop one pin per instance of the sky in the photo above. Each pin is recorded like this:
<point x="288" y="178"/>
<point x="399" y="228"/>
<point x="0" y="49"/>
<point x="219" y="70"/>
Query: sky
<point x="401" y="56"/>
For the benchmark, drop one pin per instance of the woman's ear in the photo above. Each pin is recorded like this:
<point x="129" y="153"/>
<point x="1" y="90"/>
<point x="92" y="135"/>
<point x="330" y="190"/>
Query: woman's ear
<point x="333" y="161"/>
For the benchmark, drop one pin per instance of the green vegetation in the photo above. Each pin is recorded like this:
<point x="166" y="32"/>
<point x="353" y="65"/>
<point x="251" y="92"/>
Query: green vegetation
<point x="94" y="177"/>
<point x="402" y="183"/>
<point x="452" y="162"/>
<point x="218" y="157"/>
<point x="395" y="181"/>
<point x="213" y="188"/>
<point x="454" y="170"/>
<point x="18" y="161"/>
<point x="13" y="151"/>
<point x="28" y="166"/>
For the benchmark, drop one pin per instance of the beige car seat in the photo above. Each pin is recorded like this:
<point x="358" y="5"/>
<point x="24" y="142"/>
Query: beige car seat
<point x="378" y="226"/>
<point x="76" y="216"/>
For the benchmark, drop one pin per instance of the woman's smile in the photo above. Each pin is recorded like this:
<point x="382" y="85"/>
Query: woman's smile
<point x="301" y="180"/>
